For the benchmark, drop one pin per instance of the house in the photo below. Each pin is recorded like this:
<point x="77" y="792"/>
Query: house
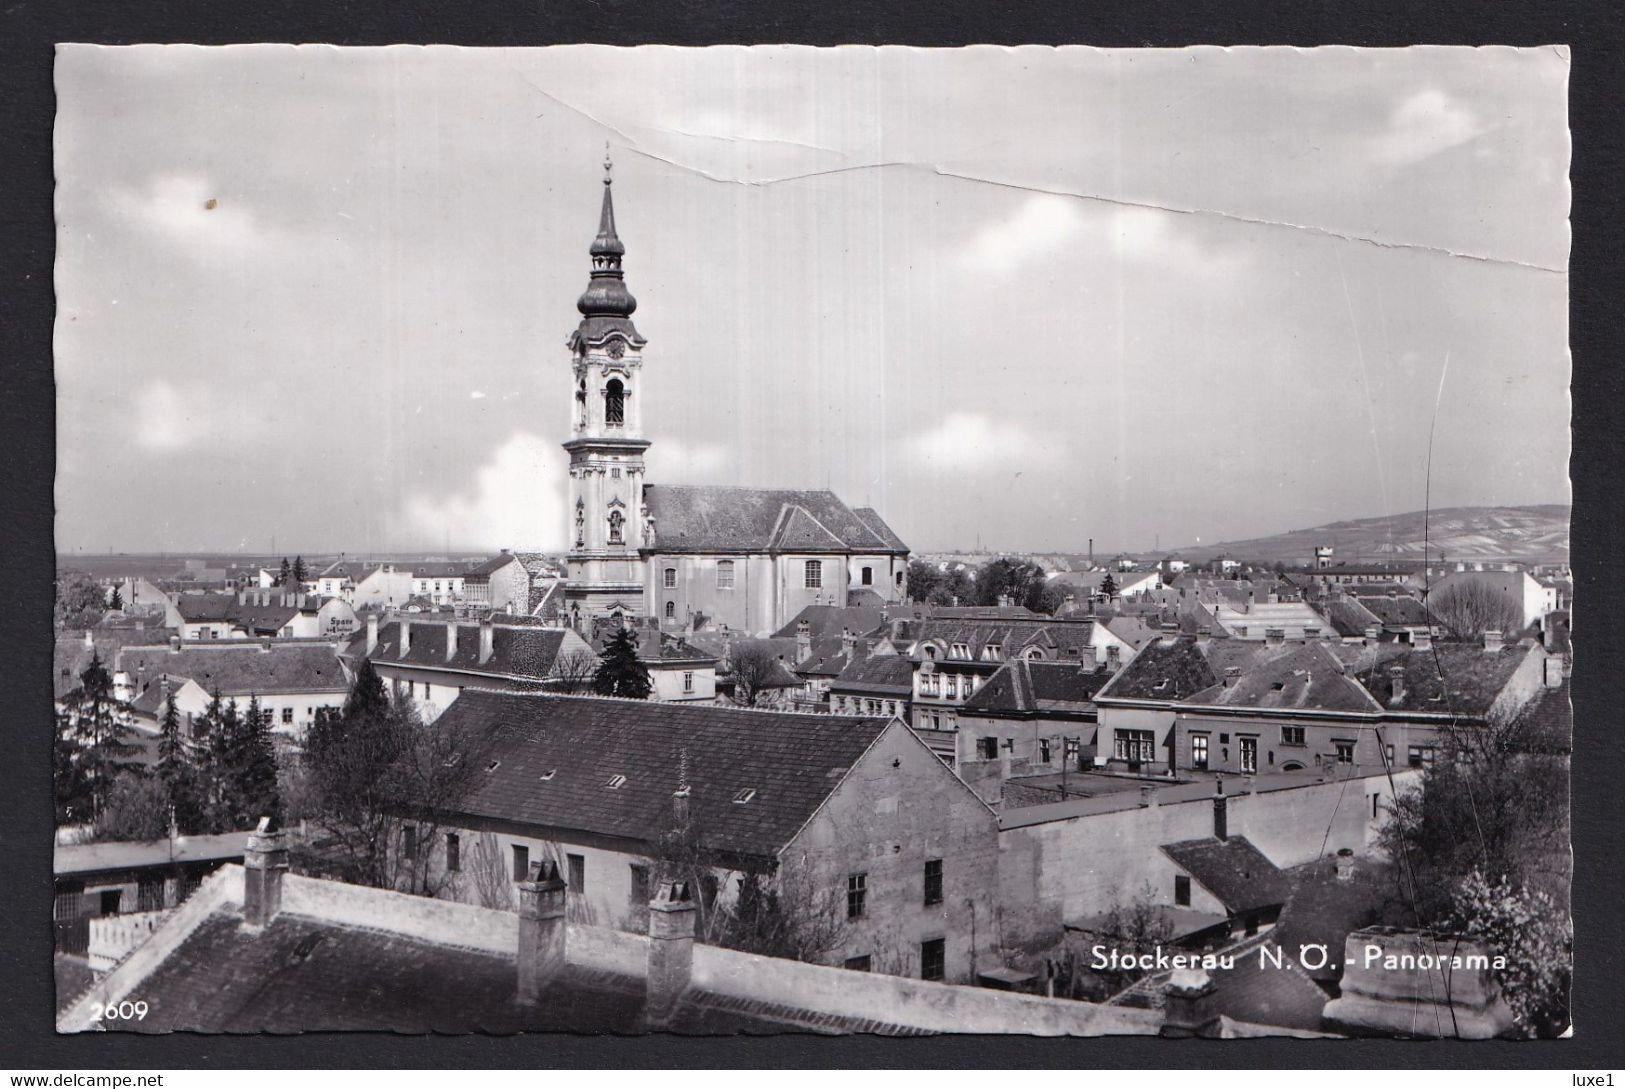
<point x="202" y="616"/>
<point x="430" y="662"/>
<point x="292" y="681"/>
<point x="852" y="819"/>
<point x="1194" y="704"/>
<point x="1030" y="717"/>
<point x="1533" y="599"/>
<point x="501" y="583"/>
<point x="875" y="684"/>
<point x="1268" y="618"/>
<point x="750" y="558"/>
<point x="681" y="671"/>
<point x="260" y="949"/>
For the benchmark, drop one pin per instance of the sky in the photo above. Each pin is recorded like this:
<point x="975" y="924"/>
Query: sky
<point x="1012" y="298"/>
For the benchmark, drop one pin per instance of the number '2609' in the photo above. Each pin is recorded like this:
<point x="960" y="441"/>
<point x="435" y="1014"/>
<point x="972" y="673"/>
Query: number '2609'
<point x="121" y="1011"/>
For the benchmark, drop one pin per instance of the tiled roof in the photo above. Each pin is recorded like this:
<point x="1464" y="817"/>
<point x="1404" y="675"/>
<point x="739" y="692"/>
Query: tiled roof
<point x="881" y="674"/>
<point x="713" y="519"/>
<point x="239" y="670"/>
<point x="1164" y="670"/>
<point x="1025" y="686"/>
<point x="791" y="762"/>
<point x="1348" y="617"/>
<point x="491" y="566"/>
<point x="879" y="528"/>
<point x="1397" y="610"/>
<point x="1446" y="678"/>
<point x="264" y="619"/>
<point x="201" y="607"/>
<point x="437" y="569"/>
<point x="1306" y="677"/>
<point x="653" y="644"/>
<point x="1233" y="870"/>
<point x="825" y="620"/>
<point x="1548" y="720"/>
<point x="1132" y="630"/>
<point x="515" y="652"/>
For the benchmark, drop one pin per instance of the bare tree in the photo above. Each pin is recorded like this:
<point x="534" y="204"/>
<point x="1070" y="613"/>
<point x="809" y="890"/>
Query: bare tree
<point x="755" y="670"/>
<point x="487" y="873"/>
<point x="1468" y="609"/>
<point x="573" y="672"/>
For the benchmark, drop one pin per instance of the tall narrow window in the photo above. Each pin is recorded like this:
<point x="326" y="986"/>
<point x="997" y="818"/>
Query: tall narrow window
<point x="670" y="578"/>
<point x="815" y="574"/>
<point x="933" y="958"/>
<point x="671" y="610"/>
<point x="933" y="881"/>
<point x="857" y="895"/>
<point x="1199" y="751"/>
<point x="521" y="862"/>
<point x="868" y="576"/>
<point x="578" y="872"/>
<point x="1249" y="755"/>
<point x="725" y="575"/>
<point x="1182" y="890"/>
<point x="454" y="852"/>
<point x="617" y="527"/>
<point x="614" y="403"/>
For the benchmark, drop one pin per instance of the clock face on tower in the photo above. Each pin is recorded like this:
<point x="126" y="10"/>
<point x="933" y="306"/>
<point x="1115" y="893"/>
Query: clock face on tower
<point x="616" y="349"/>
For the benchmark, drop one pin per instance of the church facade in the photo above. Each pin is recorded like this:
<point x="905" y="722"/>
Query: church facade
<point x="745" y="559"/>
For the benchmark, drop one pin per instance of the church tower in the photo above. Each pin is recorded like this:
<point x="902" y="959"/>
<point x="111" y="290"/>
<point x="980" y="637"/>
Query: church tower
<point x="605" y="497"/>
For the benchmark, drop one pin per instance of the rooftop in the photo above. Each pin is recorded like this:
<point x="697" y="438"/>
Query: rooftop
<point x="515" y="651"/>
<point x="238" y="668"/>
<point x="719" y="519"/>
<point x="1233" y="870"/>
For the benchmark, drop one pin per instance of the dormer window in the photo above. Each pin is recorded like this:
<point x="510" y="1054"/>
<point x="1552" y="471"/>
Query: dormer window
<point x="492" y="766"/>
<point x="547" y="775"/>
<point x="616" y="782"/>
<point x="960" y="650"/>
<point x="614" y="403"/>
<point x="744" y="795"/>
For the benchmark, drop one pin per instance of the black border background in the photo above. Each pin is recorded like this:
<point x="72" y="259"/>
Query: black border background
<point x="28" y="31"/>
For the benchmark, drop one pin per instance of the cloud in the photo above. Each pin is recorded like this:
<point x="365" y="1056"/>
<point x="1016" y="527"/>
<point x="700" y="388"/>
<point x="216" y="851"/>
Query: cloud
<point x="166" y="419"/>
<point x="193" y="214"/>
<point x="969" y="440"/>
<point x="1423" y="125"/>
<point x="515" y="500"/>
<point x="1040" y="226"/>
<point x="672" y="461"/>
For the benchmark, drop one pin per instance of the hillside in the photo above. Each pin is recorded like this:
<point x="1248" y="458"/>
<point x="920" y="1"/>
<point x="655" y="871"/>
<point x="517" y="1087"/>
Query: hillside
<point x="1532" y="534"/>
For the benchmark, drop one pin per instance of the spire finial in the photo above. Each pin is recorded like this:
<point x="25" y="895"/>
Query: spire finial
<point x="606" y="163"/>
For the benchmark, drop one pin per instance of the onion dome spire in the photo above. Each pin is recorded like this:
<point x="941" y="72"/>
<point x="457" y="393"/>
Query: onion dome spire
<point x="606" y="294"/>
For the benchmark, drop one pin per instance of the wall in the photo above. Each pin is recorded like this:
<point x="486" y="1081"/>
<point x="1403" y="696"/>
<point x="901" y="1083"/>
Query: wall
<point x="1068" y="869"/>
<point x="668" y="682"/>
<point x="897" y="808"/>
<point x="112" y="937"/>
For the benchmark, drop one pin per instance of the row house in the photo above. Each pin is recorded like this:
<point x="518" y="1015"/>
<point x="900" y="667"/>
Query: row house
<point x="1030" y="718"/>
<point x="680" y="671"/>
<point x="258" y="613"/>
<point x="1193" y="704"/>
<point x="501" y="583"/>
<point x="292" y="681"/>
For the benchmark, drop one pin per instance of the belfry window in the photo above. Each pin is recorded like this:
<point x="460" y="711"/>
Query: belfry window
<point x="617" y="527"/>
<point x="614" y="403"/>
<point x="671" y="610"/>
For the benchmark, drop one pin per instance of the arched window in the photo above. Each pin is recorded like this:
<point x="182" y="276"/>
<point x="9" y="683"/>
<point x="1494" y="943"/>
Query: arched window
<point x="725" y="574"/>
<point x="614" y="403"/>
<point x="617" y="527"/>
<point x="868" y="576"/>
<point x="671" y="610"/>
<point x="671" y="577"/>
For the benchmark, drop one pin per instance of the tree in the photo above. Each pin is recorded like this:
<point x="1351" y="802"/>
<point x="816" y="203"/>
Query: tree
<point x="299" y="570"/>
<point x="284" y="573"/>
<point x="754" y="669"/>
<point x="253" y="768"/>
<point x="1021" y="580"/>
<point x="573" y="672"/>
<point x="136" y="808"/>
<point x="923" y="580"/>
<point x="1535" y="935"/>
<point x="1108" y="587"/>
<point x="1467" y="609"/>
<point x="115" y="601"/>
<point x="620" y="671"/>
<point x="100" y="740"/>
<point x="1051" y="599"/>
<point x="176" y="773"/>
<point x="1137" y="925"/>
<point x="80" y="601"/>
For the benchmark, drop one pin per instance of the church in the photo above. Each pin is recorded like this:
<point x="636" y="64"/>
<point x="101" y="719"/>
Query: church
<point x="744" y="559"/>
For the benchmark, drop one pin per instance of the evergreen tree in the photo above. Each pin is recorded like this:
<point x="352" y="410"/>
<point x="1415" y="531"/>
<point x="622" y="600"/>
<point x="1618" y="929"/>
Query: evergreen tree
<point x="175" y="771"/>
<point x="285" y="572"/>
<point x="70" y="784"/>
<point x="116" y="602"/>
<point x="299" y="570"/>
<point x="254" y="768"/>
<point x="620" y="671"/>
<point x="1108" y="587"/>
<point x="102" y="741"/>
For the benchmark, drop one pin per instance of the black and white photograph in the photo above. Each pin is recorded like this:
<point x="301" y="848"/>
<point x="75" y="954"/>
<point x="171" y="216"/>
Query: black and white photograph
<point x="887" y="541"/>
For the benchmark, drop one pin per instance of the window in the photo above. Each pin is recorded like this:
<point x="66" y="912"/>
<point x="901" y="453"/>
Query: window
<point x="688" y="682"/>
<point x="671" y="610"/>
<point x="815" y="574"/>
<point x="933" y="955"/>
<point x="615" y="474"/>
<point x="454" y="852"/>
<point x="744" y="795"/>
<point x="639" y="893"/>
<point x="671" y="578"/>
<point x="959" y="650"/>
<point x="868" y="577"/>
<point x="1388" y="750"/>
<point x="857" y="964"/>
<point x="411" y="689"/>
<point x="933" y="881"/>
<point x="1345" y="751"/>
<point x="1292" y="735"/>
<point x="899" y="578"/>
<point x="1199" y="751"/>
<point x="287" y="714"/>
<point x="1375" y="799"/>
<point x="953" y="687"/>
<point x="1420" y="756"/>
<point x="725" y="575"/>
<point x="614" y="403"/>
<point x="1182" y="890"/>
<point x="1249" y="755"/>
<point x="521" y="862"/>
<point x="616" y="782"/>
<point x="987" y="747"/>
<point x="578" y="873"/>
<point x="409" y="833"/>
<point x="617" y="527"/>
<point x="857" y="894"/>
<point x="1135" y="746"/>
<point x="1043" y="750"/>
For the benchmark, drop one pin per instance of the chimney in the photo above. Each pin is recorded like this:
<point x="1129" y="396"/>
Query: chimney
<point x="451" y="640"/>
<point x="487" y="640"/>
<point x="803" y="640"/>
<point x="671" y="951"/>
<point x="90" y="640"/>
<point x="1187" y="1008"/>
<point x="849" y="640"/>
<point x="265" y="646"/>
<point x="406" y="637"/>
<point x="174" y="644"/>
<point x="265" y="860"/>
<point x="1492" y="642"/>
<point x="542" y="929"/>
<point x="372" y="633"/>
<point x="1552" y="677"/>
<point x="1422" y="640"/>
<point x="1005" y="601"/>
<point x="1221" y="814"/>
<point x="1373" y="634"/>
<point x="1343" y="860"/>
<point x="1204" y="633"/>
<point x="1274" y="637"/>
<point x="1232" y="674"/>
<point x="1114" y="656"/>
<point x="1396" y="681"/>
